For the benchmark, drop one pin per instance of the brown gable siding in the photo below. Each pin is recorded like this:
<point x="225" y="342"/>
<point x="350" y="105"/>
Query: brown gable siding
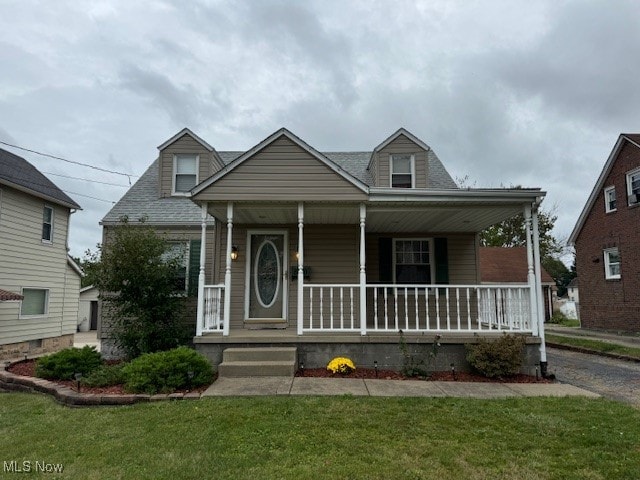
<point x="185" y="144"/>
<point x="611" y="304"/>
<point x="282" y="171"/>
<point x="401" y="145"/>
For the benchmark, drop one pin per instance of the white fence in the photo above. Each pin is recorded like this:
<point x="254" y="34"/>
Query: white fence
<point x="213" y="312"/>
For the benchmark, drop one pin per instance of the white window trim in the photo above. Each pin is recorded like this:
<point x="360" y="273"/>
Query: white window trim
<point x="635" y="171"/>
<point x="413" y="169"/>
<point x="46" y="303"/>
<point x="607" y="274"/>
<point x="432" y="270"/>
<point x="606" y="199"/>
<point x="53" y="215"/>
<point x="175" y="171"/>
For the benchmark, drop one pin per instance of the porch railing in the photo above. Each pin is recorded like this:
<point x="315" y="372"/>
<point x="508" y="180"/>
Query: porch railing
<point x="417" y="308"/>
<point x="213" y="312"/>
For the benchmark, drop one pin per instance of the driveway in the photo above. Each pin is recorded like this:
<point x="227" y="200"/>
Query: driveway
<point x="611" y="378"/>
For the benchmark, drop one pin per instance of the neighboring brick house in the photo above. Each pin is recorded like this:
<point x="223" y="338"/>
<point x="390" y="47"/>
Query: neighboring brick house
<point x="607" y="242"/>
<point x="508" y="265"/>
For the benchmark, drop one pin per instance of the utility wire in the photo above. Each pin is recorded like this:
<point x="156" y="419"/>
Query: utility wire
<point x="53" y="186"/>
<point x="87" y="180"/>
<point x="88" y="196"/>
<point x="128" y="175"/>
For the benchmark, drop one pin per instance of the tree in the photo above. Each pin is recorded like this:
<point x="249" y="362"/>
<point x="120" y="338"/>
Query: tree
<point x="88" y="264"/>
<point x="136" y="279"/>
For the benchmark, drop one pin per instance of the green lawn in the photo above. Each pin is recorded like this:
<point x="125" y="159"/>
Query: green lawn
<point x="323" y="437"/>
<point x="596" y="345"/>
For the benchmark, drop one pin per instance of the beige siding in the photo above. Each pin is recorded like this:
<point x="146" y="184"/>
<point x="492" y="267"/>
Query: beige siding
<point x="185" y="144"/>
<point x="400" y="145"/>
<point x="331" y="251"/>
<point x="25" y="261"/>
<point x="71" y="301"/>
<point x="282" y="171"/>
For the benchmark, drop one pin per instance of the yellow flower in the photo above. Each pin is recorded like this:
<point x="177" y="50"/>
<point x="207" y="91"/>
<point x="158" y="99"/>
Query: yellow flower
<point x="341" y="365"/>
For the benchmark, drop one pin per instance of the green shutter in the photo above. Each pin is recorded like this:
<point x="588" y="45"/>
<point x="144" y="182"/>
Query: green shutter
<point x="442" y="261"/>
<point x="194" y="267"/>
<point x="385" y="260"/>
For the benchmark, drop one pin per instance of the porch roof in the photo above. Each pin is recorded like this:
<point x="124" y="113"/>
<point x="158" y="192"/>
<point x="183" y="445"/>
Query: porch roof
<point x="395" y="211"/>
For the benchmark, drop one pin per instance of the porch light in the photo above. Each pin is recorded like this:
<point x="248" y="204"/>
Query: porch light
<point x="234" y="253"/>
<point x="297" y="255"/>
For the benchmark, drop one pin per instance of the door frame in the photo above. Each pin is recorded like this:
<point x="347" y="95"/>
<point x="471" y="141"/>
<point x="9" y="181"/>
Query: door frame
<point x="285" y="272"/>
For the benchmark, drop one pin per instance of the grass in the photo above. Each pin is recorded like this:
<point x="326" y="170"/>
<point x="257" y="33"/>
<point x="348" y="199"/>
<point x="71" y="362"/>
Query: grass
<point x="596" y="345"/>
<point x="568" y="322"/>
<point x="327" y="437"/>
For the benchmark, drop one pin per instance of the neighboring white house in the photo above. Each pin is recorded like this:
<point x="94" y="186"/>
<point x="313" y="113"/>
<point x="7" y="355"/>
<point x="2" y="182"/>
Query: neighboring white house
<point x="572" y="291"/>
<point x="88" y="309"/>
<point x="42" y="282"/>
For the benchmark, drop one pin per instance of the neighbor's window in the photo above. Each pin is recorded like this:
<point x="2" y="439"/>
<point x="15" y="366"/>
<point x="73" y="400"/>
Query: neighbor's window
<point x="180" y="252"/>
<point x="402" y="171"/>
<point x="47" y="224"/>
<point x="35" y="302"/>
<point x="412" y="261"/>
<point x="185" y="170"/>
<point x="633" y="186"/>
<point x="611" y="263"/>
<point x="610" y="199"/>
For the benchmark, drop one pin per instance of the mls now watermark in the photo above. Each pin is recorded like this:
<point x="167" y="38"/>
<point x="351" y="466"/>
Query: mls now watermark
<point x="27" y="466"/>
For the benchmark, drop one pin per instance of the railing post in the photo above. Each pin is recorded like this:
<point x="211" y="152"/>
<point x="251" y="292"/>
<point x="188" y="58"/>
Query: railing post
<point x="227" y="272"/>
<point x="363" y="274"/>
<point x="200" y="313"/>
<point x="300" y="267"/>
<point x="531" y="281"/>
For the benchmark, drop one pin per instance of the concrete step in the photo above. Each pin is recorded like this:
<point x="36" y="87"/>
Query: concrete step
<point x="262" y="354"/>
<point x="259" y="362"/>
<point x="257" y="369"/>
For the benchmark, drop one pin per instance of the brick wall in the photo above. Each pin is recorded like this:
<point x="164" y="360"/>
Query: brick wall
<point x="611" y="304"/>
<point x="32" y="348"/>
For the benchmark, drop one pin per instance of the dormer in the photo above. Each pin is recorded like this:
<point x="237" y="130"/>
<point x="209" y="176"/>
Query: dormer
<point x="401" y="161"/>
<point x="185" y="161"/>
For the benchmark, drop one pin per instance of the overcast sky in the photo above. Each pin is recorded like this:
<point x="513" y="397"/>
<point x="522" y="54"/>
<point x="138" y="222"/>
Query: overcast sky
<point x="531" y="93"/>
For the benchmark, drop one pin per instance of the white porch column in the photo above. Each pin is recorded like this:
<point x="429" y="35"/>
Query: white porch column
<point x="227" y="272"/>
<point x="531" y="279"/>
<point x="538" y="282"/>
<point x="203" y="237"/>
<point x="300" y="267"/>
<point x="363" y="273"/>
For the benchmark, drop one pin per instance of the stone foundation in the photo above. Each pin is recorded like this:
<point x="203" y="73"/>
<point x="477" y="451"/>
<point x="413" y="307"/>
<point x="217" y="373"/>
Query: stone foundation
<point x="34" y="348"/>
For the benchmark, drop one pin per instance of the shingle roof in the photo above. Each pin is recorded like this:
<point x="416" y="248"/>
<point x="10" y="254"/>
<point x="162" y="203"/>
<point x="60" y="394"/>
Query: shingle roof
<point x="19" y="173"/>
<point x="506" y="265"/>
<point x="6" y="296"/>
<point x="142" y="198"/>
<point x="573" y="283"/>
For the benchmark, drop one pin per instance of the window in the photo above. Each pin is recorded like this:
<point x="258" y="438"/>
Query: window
<point x="178" y="251"/>
<point x="402" y="171"/>
<point x="611" y="263"/>
<point x="185" y="173"/>
<point x="35" y="302"/>
<point x="610" y="199"/>
<point x="47" y="224"/>
<point x="412" y="261"/>
<point x="633" y="186"/>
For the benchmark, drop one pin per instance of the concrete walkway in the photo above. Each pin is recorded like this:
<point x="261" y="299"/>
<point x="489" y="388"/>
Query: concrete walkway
<point x="627" y="340"/>
<point x="255" y="386"/>
<point x="80" y="339"/>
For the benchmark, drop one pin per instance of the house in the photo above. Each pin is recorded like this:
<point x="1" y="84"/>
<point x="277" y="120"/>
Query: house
<point x="88" y="309"/>
<point x="572" y="291"/>
<point x="333" y="252"/>
<point x="39" y="283"/>
<point x="607" y="242"/>
<point x="503" y="266"/>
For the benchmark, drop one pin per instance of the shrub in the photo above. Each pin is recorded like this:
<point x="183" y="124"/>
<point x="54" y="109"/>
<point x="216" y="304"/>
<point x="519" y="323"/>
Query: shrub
<point x="65" y="363"/>
<point x="558" y="318"/>
<point x="104" y="376"/>
<point x="164" y="372"/>
<point x="342" y="365"/>
<point x="498" y="358"/>
<point x="414" y="364"/>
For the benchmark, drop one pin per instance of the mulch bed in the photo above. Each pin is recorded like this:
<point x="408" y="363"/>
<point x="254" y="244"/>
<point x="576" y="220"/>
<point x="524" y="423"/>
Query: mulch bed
<point x="370" y="373"/>
<point x="27" y="368"/>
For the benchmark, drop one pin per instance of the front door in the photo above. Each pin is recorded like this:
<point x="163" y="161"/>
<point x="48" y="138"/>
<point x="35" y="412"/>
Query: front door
<point x="267" y="285"/>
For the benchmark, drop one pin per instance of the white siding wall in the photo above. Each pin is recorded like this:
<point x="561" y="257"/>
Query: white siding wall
<point x="25" y="261"/>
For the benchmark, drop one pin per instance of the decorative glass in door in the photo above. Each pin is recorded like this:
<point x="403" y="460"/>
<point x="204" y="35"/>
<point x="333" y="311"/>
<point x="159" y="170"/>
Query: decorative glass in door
<point x="267" y="276"/>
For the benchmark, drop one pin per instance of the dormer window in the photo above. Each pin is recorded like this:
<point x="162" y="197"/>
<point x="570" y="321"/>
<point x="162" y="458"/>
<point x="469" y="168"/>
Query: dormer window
<point x="185" y="173"/>
<point x="610" y="199"/>
<point x="402" y="171"/>
<point x="633" y="186"/>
